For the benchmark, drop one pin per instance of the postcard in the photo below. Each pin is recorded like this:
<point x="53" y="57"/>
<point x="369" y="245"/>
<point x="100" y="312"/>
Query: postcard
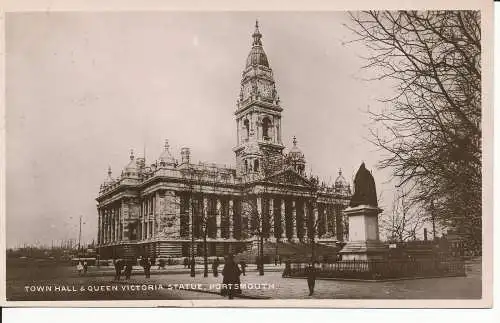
<point x="319" y="156"/>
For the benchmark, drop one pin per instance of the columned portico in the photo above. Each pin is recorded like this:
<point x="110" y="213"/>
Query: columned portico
<point x="294" y="221"/>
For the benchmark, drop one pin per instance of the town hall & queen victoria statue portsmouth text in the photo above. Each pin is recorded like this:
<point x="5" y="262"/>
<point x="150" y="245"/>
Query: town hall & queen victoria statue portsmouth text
<point x="171" y="208"/>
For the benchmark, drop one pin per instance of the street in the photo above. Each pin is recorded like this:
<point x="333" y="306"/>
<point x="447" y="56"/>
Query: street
<point x="65" y="284"/>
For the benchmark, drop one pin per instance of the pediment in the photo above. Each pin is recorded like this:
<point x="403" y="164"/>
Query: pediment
<point x="289" y="177"/>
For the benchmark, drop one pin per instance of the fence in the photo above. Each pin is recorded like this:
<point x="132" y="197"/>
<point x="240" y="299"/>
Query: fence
<point x="366" y="269"/>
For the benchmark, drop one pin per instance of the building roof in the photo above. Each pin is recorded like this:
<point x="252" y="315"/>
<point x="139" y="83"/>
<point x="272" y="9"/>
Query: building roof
<point x="257" y="56"/>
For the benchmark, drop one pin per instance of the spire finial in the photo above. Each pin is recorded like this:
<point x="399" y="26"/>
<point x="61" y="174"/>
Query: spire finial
<point x="340" y="171"/>
<point x="167" y="146"/>
<point x="109" y="170"/>
<point x="131" y="154"/>
<point x="257" y="35"/>
<point x="294" y="141"/>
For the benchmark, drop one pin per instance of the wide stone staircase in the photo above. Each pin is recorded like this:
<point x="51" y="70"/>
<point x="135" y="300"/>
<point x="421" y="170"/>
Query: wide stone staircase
<point x="295" y="252"/>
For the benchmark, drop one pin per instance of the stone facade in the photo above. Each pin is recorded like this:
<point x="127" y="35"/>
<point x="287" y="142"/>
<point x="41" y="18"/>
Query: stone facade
<point x="158" y="209"/>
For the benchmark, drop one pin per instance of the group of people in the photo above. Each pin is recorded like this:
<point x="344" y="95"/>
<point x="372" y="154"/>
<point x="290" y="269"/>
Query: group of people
<point x="215" y="266"/>
<point x="82" y="268"/>
<point x="125" y="266"/>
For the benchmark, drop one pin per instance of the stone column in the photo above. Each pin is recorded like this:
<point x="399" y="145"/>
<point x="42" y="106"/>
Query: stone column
<point x="294" y="221"/>
<point x="204" y="216"/>
<point x="104" y="226"/>
<point x="316" y="220"/>
<point x="117" y="225"/>
<point x="218" y="212"/>
<point x="305" y="220"/>
<point x="190" y="215"/>
<point x="260" y="213"/>
<point x="113" y="225"/>
<point x="231" y="217"/>
<point x="146" y="218"/>
<point x="283" y="219"/>
<point x="110" y="223"/>
<point x="110" y="226"/>
<point x="271" y="219"/>
<point x="325" y="211"/>
<point x="155" y="213"/>
<point x="120" y="226"/>
<point x="98" y="226"/>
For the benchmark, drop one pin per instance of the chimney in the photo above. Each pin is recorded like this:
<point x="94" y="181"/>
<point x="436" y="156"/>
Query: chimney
<point x="185" y="155"/>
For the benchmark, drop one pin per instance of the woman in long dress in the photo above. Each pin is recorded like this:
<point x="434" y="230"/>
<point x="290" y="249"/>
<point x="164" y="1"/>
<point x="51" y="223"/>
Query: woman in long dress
<point x="231" y="280"/>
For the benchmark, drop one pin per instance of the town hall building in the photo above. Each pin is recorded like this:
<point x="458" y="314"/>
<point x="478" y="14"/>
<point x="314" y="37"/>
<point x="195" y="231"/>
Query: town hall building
<point x="171" y="206"/>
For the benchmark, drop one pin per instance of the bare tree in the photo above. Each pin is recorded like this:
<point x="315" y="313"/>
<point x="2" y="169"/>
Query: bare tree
<point x="405" y="219"/>
<point x="431" y="128"/>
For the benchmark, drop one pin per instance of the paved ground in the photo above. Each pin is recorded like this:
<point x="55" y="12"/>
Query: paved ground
<point x="174" y="282"/>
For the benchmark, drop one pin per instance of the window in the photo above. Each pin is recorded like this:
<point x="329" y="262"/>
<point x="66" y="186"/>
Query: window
<point x="246" y="165"/>
<point x="256" y="166"/>
<point x="246" y="123"/>
<point x="266" y="124"/>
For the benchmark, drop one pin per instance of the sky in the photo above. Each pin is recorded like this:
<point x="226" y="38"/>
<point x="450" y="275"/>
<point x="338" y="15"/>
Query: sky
<point x="82" y="89"/>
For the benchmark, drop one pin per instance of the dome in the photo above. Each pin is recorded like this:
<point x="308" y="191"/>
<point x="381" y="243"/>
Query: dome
<point x="257" y="56"/>
<point x="131" y="168"/>
<point x="166" y="157"/>
<point x="340" y="181"/>
<point x="295" y="154"/>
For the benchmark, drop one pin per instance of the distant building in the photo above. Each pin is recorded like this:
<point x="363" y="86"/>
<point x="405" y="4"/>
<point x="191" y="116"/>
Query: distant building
<point x="154" y="209"/>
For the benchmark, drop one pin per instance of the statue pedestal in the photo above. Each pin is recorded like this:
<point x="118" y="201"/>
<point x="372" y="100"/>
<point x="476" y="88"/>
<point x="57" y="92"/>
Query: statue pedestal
<point x="364" y="243"/>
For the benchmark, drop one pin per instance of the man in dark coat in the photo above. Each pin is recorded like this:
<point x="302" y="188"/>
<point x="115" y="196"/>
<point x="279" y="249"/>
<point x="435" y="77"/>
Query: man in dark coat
<point x="231" y="280"/>
<point x="288" y="269"/>
<point x="118" y="263"/>
<point x="128" y="269"/>
<point x="311" y="277"/>
<point x="215" y="267"/>
<point x="146" y="264"/>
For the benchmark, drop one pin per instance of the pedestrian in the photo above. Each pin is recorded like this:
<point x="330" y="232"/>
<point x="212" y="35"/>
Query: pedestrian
<point x="85" y="268"/>
<point x="215" y="267"/>
<point x="186" y="262"/>
<point x="311" y="277"/>
<point x="128" y="269"/>
<point x="118" y="268"/>
<point x="243" y="266"/>
<point x="149" y="263"/>
<point x="288" y="269"/>
<point x="79" y="268"/>
<point x="231" y="280"/>
<point x="146" y="264"/>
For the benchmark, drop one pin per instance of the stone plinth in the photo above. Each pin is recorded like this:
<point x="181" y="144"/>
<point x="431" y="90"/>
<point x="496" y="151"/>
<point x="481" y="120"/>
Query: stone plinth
<point x="364" y="243"/>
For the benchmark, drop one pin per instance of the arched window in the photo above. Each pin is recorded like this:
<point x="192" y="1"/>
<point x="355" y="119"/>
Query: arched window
<point x="256" y="166"/>
<point x="246" y="166"/>
<point x="266" y="124"/>
<point x="246" y="123"/>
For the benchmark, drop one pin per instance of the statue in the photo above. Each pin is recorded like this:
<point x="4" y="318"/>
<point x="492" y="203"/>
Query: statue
<point x="364" y="188"/>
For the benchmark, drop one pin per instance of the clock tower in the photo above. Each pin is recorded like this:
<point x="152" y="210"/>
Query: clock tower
<point x="259" y="147"/>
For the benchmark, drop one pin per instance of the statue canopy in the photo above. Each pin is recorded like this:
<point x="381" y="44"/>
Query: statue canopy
<point x="364" y="188"/>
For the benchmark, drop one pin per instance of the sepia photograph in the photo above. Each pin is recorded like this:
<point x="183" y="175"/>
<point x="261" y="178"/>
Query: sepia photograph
<point x="245" y="155"/>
